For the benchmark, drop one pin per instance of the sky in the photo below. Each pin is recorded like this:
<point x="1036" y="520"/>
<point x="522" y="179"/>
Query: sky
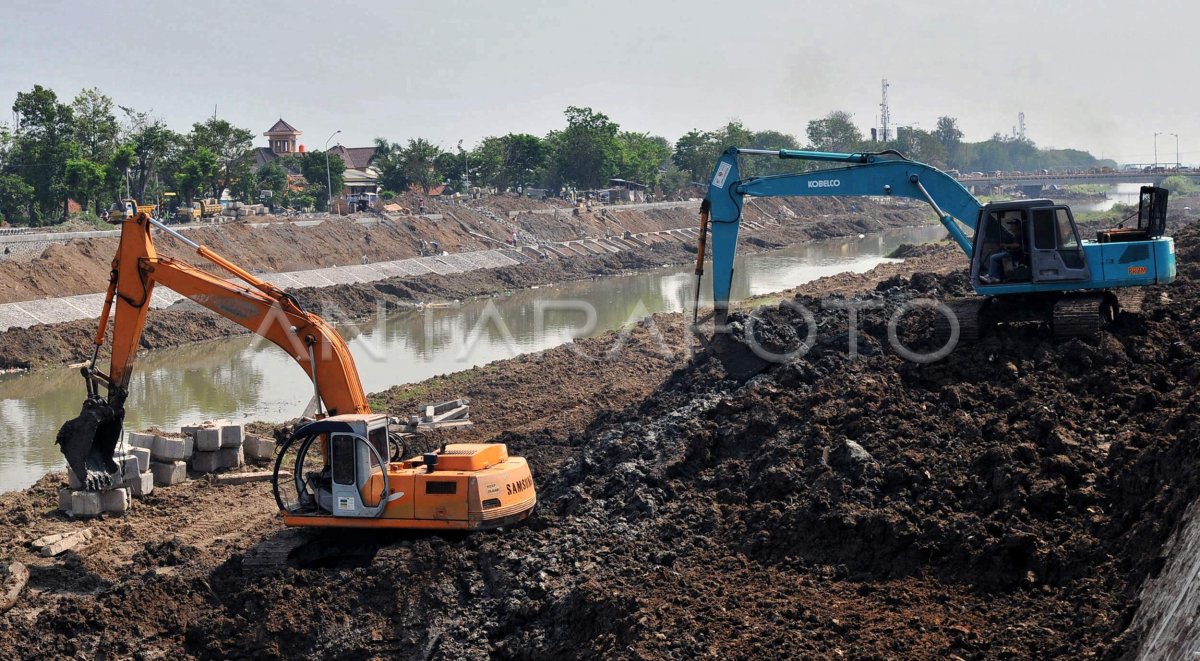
<point x="1103" y="75"/>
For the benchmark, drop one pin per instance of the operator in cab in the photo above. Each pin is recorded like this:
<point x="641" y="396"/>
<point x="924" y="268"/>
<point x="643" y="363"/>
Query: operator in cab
<point x="1010" y="248"/>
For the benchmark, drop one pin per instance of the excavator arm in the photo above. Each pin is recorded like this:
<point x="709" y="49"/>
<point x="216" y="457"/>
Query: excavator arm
<point x="88" y="440"/>
<point x="881" y="174"/>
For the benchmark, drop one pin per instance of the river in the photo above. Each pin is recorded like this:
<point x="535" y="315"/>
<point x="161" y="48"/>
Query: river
<point x="246" y="378"/>
<point x="1119" y="193"/>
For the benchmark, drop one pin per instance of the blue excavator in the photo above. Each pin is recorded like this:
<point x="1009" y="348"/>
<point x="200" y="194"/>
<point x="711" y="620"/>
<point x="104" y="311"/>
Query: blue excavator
<point x="1027" y="260"/>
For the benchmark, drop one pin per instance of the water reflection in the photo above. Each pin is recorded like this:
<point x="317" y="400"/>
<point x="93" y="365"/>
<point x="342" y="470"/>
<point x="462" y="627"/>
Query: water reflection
<point x="247" y="378"/>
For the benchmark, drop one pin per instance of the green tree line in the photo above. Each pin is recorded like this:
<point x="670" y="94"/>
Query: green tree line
<point x="96" y="152"/>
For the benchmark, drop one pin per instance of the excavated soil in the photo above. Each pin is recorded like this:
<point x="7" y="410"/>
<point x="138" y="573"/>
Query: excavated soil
<point x="1007" y="501"/>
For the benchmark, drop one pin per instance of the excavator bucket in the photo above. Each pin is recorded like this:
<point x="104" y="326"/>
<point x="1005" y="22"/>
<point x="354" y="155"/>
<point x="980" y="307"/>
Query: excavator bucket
<point x="89" y="440"/>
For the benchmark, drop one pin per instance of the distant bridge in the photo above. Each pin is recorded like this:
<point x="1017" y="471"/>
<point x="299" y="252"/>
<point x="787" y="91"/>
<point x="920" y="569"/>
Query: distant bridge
<point x="1024" y="179"/>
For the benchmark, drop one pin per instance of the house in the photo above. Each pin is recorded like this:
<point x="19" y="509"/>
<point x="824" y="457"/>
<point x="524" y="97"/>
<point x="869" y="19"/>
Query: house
<point x="361" y="177"/>
<point x="626" y="191"/>
<point x="281" y="141"/>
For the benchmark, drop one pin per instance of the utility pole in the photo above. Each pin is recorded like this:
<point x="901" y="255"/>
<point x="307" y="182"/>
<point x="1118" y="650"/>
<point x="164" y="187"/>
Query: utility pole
<point x="1176" y="149"/>
<point x="1156" y="134"/>
<point x="885" y="116"/>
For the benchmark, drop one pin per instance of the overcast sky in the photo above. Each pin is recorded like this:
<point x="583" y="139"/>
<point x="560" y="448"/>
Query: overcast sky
<point x="1102" y="75"/>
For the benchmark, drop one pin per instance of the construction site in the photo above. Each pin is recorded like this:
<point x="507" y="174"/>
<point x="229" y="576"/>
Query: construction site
<point x="720" y="478"/>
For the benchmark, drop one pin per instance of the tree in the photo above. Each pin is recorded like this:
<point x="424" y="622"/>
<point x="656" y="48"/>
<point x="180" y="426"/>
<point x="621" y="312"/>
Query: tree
<point x="318" y="170"/>
<point x="233" y="147"/>
<point x="154" y="146"/>
<point x="947" y="133"/>
<point x="84" y="179"/>
<point x="42" y="144"/>
<point x="642" y="156"/>
<point x="95" y="126"/>
<point x="419" y="163"/>
<point x="586" y="153"/>
<point x="523" y="158"/>
<point x="696" y="153"/>
<point x="774" y="140"/>
<point x="196" y="170"/>
<point x="836" y="133"/>
<point x="273" y="177"/>
<point x="391" y="169"/>
<point x="15" y="196"/>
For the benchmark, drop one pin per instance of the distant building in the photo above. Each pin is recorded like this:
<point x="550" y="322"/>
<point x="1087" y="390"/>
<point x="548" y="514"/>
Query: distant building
<point x="361" y="176"/>
<point x="281" y="141"/>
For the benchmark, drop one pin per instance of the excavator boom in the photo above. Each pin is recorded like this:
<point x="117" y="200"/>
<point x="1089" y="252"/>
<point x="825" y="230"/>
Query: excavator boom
<point x="88" y="440"/>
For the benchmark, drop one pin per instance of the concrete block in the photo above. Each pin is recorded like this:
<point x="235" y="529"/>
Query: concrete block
<point x="143" y="458"/>
<point x="167" y="473"/>
<point x="64" y="499"/>
<point x="52" y="545"/>
<point x="127" y="465"/>
<point x="115" y="501"/>
<point x="86" y="504"/>
<point x="141" y="484"/>
<point x="232" y="435"/>
<point x="205" y="462"/>
<point x="257" y="448"/>
<point x="230" y="457"/>
<point x="208" y="439"/>
<point x="140" y="439"/>
<point x="245" y="478"/>
<point x="171" y="449"/>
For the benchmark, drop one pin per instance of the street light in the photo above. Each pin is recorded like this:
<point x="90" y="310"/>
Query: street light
<point x="1176" y="150"/>
<point x="329" y="180"/>
<point x="466" y="168"/>
<point x="1156" y="134"/>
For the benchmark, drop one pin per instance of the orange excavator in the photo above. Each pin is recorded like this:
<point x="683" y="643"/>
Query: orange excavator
<point x="345" y="467"/>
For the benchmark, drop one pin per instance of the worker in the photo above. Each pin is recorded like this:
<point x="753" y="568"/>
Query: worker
<point x="1010" y="247"/>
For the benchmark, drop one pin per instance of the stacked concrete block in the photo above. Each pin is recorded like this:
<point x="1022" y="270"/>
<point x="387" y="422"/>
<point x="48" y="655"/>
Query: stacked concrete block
<point x="143" y="458"/>
<point x="207" y="439"/>
<point x="167" y="449"/>
<point x="140" y="439"/>
<point x="115" y="501"/>
<point x="168" y="473"/>
<point x="256" y="448"/>
<point x="231" y="457"/>
<point x="218" y="445"/>
<point x="141" y="484"/>
<point x="232" y="436"/>
<point x="86" y="504"/>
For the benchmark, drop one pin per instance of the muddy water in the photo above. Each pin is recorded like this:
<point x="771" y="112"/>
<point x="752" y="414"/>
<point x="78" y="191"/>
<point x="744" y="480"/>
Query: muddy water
<point x="249" y="379"/>
<point x="1120" y="193"/>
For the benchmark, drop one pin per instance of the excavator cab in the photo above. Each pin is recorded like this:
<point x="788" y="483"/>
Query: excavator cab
<point x="1027" y="241"/>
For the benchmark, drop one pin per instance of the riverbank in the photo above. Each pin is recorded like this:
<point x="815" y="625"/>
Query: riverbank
<point x="52" y="345"/>
<point x="1006" y="502"/>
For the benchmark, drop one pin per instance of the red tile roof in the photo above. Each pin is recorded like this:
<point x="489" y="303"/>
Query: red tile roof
<point x="357" y="158"/>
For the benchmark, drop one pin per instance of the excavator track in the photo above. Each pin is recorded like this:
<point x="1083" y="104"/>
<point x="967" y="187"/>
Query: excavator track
<point x="971" y="321"/>
<point x="1079" y="316"/>
<point x="271" y="554"/>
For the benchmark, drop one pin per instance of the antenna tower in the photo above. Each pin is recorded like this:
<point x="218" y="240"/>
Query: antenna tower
<point x="884" y="115"/>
